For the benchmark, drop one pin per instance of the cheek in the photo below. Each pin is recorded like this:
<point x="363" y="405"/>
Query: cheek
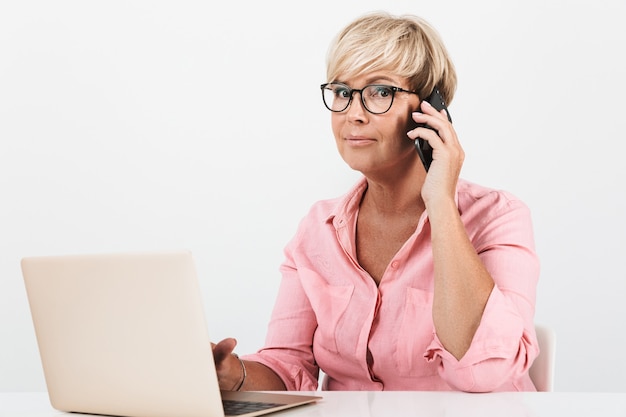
<point x="336" y="124"/>
<point x="399" y="129"/>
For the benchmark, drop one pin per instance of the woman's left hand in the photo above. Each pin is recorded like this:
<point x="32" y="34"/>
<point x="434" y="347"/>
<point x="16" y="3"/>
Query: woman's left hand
<point x="448" y="155"/>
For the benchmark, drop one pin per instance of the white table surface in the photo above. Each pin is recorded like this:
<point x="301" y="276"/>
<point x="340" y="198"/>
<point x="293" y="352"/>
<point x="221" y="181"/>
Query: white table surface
<point x="398" y="404"/>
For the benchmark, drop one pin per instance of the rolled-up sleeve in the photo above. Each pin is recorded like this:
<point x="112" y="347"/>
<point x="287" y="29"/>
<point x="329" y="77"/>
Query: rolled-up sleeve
<point x="504" y="345"/>
<point x="288" y="347"/>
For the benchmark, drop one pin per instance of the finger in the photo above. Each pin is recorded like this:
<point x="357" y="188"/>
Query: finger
<point x="432" y="119"/>
<point x="439" y="125"/>
<point x="223" y="349"/>
<point x="426" y="129"/>
<point x="437" y="119"/>
<point x="428" y="108"/>
<point x="425" y="133"/>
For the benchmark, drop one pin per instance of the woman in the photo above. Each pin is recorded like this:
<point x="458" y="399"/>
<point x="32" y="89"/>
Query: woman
<point x="415" y="279"/>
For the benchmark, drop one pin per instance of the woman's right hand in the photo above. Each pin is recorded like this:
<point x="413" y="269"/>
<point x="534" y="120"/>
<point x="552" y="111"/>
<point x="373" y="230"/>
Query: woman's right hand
<point x="228" y="367"/>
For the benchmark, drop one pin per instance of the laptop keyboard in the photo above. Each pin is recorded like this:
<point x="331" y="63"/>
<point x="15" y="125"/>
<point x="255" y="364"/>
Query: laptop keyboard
<point x="236" y="408"/>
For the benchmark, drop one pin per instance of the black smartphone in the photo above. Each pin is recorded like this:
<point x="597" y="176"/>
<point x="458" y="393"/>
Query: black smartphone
<point x="424" y="150"/>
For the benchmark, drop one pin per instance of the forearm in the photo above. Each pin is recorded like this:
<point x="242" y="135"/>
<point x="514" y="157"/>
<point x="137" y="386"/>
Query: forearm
<point x="462" y="283"/>
<point x="501" y="351"/>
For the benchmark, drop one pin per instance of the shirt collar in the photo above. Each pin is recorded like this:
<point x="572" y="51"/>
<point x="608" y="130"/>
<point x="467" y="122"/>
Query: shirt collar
<point x="348" y="205"/>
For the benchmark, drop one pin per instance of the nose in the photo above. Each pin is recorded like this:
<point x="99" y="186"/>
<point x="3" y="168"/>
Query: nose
<point x="356" y="110"/>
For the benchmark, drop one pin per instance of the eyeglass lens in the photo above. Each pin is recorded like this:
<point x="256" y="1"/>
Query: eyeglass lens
<point x="375" y="98"/>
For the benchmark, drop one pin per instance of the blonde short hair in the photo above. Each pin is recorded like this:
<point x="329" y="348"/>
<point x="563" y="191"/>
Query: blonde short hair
<point x="406" y="45"/>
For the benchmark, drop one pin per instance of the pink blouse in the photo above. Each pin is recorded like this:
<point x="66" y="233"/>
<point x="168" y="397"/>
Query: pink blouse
<point x="330" y="315"/>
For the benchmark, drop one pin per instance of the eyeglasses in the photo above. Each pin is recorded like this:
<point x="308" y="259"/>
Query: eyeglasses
<point x="376" y="98"/>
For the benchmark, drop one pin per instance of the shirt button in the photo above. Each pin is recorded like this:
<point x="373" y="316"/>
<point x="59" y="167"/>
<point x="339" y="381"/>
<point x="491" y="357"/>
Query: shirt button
<point x="395" y="264"/>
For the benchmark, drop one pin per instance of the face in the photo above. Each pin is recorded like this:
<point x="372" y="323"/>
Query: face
<point x="376" y="144"/>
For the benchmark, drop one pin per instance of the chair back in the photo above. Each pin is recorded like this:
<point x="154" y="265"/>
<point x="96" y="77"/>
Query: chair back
<point x="542" y="370"/>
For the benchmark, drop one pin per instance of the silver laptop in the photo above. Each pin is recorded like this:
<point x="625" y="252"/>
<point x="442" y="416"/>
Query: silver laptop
<point x="125" y="335"/>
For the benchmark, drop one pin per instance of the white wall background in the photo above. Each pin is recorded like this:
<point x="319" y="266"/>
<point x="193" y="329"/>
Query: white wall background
<point x="138" y="125"/>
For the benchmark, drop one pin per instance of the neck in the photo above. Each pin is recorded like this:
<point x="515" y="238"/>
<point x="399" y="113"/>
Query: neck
<point x="399" y="196"/>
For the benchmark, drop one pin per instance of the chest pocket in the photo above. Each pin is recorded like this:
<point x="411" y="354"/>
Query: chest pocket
<point x="416" y="333"/>
<point x="332" y="324"/>
<point x="329" y="302"/>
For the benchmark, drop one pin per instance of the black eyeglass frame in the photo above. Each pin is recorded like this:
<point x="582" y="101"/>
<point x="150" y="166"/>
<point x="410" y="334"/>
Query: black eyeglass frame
<point x="393" y="89"/>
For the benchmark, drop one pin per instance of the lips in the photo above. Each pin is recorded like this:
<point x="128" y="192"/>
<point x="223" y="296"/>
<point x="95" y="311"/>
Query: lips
<point x="359" y="140"/>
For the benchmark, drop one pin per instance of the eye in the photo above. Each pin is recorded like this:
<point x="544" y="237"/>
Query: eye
<point x="341" y="91"/>
<point x="380" y="91"/>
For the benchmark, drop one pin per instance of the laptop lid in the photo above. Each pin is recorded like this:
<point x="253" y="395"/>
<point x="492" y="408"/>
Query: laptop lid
<point x="125" y="334"/>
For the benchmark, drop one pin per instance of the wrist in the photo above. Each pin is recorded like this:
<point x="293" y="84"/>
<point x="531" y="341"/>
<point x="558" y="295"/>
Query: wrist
<point x="442" y="206"/>
<point x="243" y="372"/>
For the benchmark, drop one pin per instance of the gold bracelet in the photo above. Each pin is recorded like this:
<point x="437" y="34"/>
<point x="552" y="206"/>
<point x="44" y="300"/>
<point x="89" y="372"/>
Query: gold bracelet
<point x="245" y="374"/>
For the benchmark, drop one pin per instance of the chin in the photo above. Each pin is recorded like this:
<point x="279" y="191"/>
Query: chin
<point x="357" y="164"/>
